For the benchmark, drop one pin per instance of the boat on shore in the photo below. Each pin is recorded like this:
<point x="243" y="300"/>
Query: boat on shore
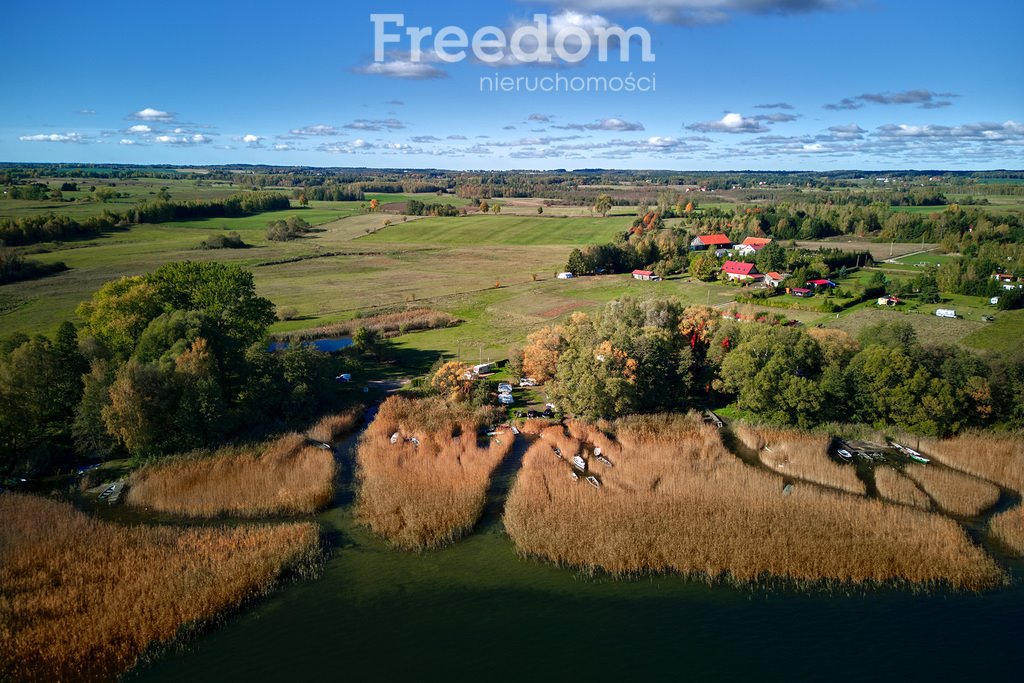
<point x="594" y="481"/>
<point x="579" y="463"/>
<point x="575" y="477"/>
<point x="845" y="454"/>
<point x="603" y="460"/>
<point x="558" y="451"/>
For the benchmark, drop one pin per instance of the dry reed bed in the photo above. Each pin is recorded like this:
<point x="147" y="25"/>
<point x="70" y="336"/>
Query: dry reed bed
<point x="424" y="496"/>
<point x="289" y="477"/>
<point x="387" y="324"/>
<point x="82" y="599"/>
<point x="1008" y="527"/>
<point x="897" y="488"/>
<point x="997" y="458"/>
<point x="331" y="427"/>
<point x="800" y="454"/>
<point x="954" y="492"/>
<point x="678" y="501"/>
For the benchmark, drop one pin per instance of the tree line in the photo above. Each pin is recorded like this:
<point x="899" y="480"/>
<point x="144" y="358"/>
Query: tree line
<point x="49" y="227"/>
<point x="165" y="362"/>
<point x="656" y="355"/>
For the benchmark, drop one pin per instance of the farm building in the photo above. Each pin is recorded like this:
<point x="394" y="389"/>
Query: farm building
<point x="644" y="275"/>
<point x="704" y="242"/>
<point x="801" y="292"/>
<point x="773" y="279"/>
<point x="752" y="245"/>
<point x="818" y="284"/>
<point x="737" y="270"/>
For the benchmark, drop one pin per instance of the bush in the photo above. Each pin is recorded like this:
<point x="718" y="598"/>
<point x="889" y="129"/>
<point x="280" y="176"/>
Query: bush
<point x="231" y="240"/>
<point x="288" y="229"/>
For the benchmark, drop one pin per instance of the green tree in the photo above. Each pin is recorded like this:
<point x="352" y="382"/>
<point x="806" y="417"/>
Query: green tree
<point x="704" y="267"/>
<point x="603" y="204"/>
<point x="577" y="264"/>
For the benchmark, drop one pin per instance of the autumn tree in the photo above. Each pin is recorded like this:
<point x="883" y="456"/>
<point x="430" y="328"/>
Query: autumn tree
<point x="451" y="381"/>
<point x="540" y="356"/>
<point x="603" y="204"/>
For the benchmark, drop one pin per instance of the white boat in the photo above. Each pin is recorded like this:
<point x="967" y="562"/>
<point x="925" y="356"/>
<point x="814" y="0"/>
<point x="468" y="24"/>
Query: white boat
<point x="844" y="454"/>
<point x="415" y="441"/>
<point x="594" y="481"/>
<point x="575" y="477"/>
<point x="597" y="451"/>
<point x="557" y="451"/>
<point x="604" y="461"/>
<point x="395" y="437"/>
<point x="515" y="430"/>
<point x="579" y="463"/>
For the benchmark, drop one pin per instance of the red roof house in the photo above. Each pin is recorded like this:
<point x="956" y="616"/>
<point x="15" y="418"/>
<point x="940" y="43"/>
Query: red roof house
<point x="643" y="275"/>
<point x="737" y="270"/>
<point x="718" y="241"/>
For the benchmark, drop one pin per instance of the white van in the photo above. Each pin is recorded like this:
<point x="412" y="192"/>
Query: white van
<point x="946" y="313"/>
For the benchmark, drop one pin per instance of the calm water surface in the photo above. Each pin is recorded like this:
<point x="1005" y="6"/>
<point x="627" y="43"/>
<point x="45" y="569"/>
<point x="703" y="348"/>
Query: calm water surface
<point x="476" y="609"/>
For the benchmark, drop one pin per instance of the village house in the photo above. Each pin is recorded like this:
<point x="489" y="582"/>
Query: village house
<point x="801" y="292"/>
<point x="752" y="245"/>
<point x="736" y="270"/>
<point x="704" y="242"/>
<point x="773" y="279"/>
<point x="818" y="284"/>
<point x="645" y="275"/>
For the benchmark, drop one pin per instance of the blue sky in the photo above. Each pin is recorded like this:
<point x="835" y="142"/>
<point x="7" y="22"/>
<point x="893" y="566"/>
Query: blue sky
<point x="737" y="84"/>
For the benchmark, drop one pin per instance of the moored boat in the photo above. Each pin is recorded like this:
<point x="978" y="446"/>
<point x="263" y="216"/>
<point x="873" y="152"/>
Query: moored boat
<point x="594" y="481"/>
<point x="579" y="463"/>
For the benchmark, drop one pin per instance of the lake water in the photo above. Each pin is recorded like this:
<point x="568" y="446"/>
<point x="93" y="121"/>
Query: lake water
<point x="326" y="345"/>
<point x="476" y="609"/>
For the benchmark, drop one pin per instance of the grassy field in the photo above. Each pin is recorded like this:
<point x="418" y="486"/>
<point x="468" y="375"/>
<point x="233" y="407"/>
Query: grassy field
<point x="138" y="190"/>
<point x="484" y="231"/>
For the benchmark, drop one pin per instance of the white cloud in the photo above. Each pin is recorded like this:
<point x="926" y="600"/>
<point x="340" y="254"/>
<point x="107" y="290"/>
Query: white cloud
<point x="615" y="124"/>
<point x="126" y="141"/>
<point x="401" y="68"/>
<point x="690" y="12"/>
<point x="139" y="129"/>
<point x="375" y="124"/>
<point x="183" y="140"/>
<point x="730" y="123"/>
<point x="151" y="114"/>
<point x="54" y="137"/>
<point x="319" y="129"/>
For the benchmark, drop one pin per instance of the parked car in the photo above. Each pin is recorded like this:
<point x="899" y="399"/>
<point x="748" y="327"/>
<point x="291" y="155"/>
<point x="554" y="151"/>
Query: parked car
<point x="506" y="399"/>
<point x="527" y="382"/>
<point x="504" y="388"/>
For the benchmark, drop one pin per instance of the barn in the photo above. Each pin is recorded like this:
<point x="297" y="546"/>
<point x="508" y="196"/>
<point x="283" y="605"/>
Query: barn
<point x="705" y="242"/>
